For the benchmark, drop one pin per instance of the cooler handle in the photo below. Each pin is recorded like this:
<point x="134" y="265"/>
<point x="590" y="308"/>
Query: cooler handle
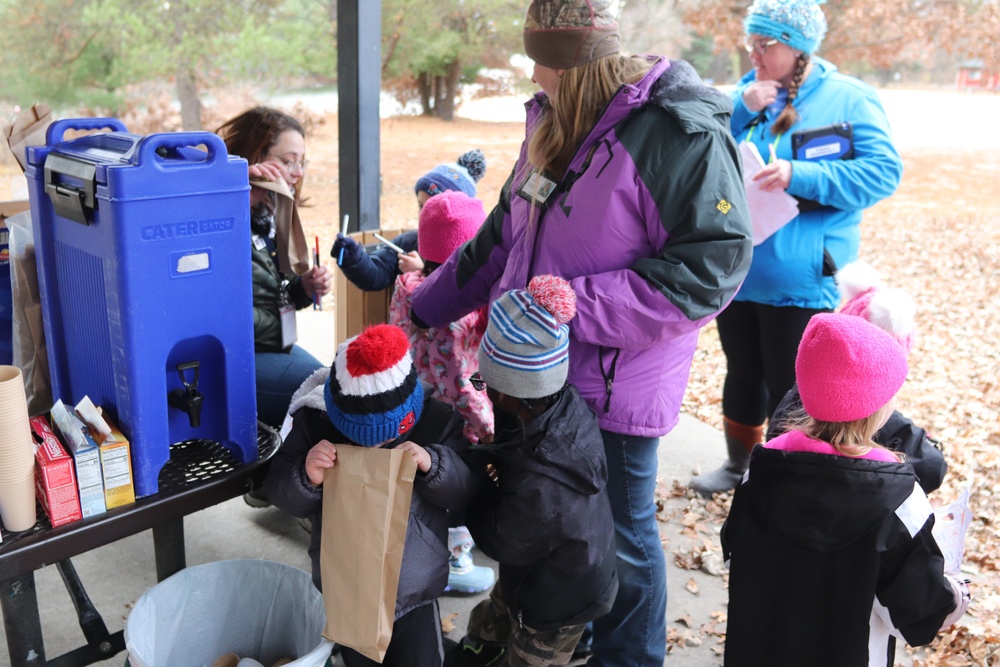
<point x="152" y="146"/>
<point x="57" y="130"/>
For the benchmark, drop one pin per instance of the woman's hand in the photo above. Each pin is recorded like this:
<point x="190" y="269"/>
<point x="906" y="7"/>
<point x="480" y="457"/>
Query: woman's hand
<point x="322" y="456"/>
<point x="268" y="171"/>
<point x="776" y="175"/>
<point x="410" y="262"/>
<point x="419" y="454"/>
<point x="317" y="281"/>
<point x="760" y="94"/>
<point x="262" y="171"/>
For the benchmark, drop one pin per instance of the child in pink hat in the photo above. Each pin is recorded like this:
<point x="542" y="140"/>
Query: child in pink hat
<point x="445" y="358"/>
<point x="829" y="538"/>
<point x="892" y="310"/>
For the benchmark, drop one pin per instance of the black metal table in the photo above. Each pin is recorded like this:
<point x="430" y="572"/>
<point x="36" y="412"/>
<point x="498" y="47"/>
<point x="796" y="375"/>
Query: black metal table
<point x="200" y="474"/>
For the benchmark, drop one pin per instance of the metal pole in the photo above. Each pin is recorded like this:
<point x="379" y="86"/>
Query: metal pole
<point x="359" y="79"/>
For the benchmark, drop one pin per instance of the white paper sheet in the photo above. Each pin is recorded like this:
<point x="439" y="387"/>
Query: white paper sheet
<point x="951" y="522"/>
<point x="769" y="211"/>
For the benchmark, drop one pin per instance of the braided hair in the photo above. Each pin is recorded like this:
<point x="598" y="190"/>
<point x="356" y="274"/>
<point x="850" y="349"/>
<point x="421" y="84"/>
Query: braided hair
<point x="788" y="115"/>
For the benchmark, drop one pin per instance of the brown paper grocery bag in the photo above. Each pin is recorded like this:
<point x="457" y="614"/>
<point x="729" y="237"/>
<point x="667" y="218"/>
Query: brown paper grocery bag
<point x="28" y="129"/>
<point x="366" y="506"/>
<point x="294" y="256"/>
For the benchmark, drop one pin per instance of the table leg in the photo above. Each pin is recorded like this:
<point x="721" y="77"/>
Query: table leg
<point x="21" y="622"/>
<point x="168" y="543"/>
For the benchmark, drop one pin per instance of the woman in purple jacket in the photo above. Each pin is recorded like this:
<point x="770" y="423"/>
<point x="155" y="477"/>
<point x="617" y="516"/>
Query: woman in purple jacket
<point x="628" y="186"/>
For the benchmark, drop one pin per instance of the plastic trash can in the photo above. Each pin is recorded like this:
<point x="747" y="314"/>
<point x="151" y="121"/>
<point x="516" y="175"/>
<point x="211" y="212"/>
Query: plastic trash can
<point x="255" y="608"/>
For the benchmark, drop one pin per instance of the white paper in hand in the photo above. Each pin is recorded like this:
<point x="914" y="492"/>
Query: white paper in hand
<point x="769" y="211"/>
<point x="951" y="522"/>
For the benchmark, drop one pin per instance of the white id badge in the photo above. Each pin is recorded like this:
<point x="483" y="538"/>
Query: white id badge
<point x="537" y="188"/>
<point x="258" y="242"/>
<point x="288" y="332"/>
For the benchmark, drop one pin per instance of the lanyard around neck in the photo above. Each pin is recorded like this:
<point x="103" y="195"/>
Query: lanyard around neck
<point x="772" y="147"/>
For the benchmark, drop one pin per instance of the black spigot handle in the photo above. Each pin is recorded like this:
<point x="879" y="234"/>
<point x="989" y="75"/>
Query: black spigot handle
<point x="189" y="399"/>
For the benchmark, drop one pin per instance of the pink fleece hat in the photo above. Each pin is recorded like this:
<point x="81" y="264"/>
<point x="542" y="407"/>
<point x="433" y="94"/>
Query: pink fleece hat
<point x="888" y="308"/>
<point x="847" y="368"/>
<point x="446" y="222"/>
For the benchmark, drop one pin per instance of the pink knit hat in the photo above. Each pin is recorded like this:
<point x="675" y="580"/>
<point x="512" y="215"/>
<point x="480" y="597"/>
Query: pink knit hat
<point x="446" y="222"/>
<point x="847" y="368"/>
<point x="888" y="308"/>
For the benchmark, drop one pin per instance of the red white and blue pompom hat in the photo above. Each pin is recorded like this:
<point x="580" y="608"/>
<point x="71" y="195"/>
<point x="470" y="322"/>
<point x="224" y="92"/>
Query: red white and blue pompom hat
<point x="525" y="350"/>
<point x="373" y="394"/>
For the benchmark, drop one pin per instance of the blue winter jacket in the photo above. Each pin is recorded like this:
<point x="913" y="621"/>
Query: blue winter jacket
<point x="649" y="225"/>
<point x="795" y="266"/>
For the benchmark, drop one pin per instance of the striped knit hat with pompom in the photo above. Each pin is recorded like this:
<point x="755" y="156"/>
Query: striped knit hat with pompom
<point x="461" y="175"/>
<point x="372" y="394"/>
<point x="525" y="351"/>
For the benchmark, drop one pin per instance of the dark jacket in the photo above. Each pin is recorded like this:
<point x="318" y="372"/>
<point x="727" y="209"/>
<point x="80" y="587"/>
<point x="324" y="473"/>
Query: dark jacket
<point x="548" y="519"/>
<point x="649" y="225"/>
<point x="267" y="289"/>
<point x="424" y="573"/>
<point x="828" y="556"/>
<point x="376" y="270"/>
<point x="898" y="434"/>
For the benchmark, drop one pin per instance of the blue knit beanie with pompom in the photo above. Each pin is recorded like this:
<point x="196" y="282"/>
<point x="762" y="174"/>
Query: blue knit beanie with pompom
<point x="461" y="175"/>
<point x="798" y="23"/>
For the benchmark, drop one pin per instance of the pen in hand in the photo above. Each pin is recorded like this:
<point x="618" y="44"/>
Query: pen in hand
<point x="316" y="297"/>
<point x="343" y="231"/>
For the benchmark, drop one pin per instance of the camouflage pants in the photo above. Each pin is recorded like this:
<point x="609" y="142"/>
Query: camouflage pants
<point x="491" y="622"/>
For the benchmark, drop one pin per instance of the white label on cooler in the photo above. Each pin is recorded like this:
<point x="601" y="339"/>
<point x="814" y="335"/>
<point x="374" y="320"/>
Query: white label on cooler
<point x="196" y="262"/>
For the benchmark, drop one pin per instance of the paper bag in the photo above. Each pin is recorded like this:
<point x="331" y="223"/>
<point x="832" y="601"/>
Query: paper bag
<point x="366" y="506"/>
<point x="293" y="255"/>
<point x="28" y="129"/>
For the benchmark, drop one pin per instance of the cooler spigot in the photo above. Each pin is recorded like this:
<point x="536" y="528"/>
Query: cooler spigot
<point x="188" y="399"/>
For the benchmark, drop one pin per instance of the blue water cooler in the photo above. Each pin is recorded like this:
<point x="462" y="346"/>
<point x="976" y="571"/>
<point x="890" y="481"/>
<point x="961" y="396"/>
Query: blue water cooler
<point x="142" y="244"/>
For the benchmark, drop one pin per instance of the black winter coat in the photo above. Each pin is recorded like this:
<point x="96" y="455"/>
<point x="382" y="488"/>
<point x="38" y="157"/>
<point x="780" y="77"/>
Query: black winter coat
<point x="448" y="485"/>
<point x="547" y="521"/>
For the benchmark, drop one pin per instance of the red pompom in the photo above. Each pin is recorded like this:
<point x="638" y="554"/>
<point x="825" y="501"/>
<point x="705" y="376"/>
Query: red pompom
<point x="555" y="295"/>
<point x="376" y="349"/>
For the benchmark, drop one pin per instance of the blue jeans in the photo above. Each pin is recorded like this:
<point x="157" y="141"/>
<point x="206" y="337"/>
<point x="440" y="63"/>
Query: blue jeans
<point x="278" y="376"/>
<point x="634" y="632"/>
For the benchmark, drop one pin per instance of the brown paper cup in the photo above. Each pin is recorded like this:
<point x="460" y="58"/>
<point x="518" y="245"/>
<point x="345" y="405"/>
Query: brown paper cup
<point x="16" y="444"/>
<point x="17" y="503"/>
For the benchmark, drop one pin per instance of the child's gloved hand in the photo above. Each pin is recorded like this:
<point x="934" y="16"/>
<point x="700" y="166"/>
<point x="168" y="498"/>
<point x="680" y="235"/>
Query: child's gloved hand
<point x="960" y="587"/>
<point x="352" y="249"/>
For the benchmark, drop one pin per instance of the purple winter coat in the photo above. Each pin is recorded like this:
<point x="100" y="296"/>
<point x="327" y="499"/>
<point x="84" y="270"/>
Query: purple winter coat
<point x="650" y="226"/>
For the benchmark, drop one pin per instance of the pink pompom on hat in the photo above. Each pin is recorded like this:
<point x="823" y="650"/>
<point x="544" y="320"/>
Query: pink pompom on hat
<point x="446" y="222"/>
<point x="847" y="368"/>
<point x="888" y="308"/>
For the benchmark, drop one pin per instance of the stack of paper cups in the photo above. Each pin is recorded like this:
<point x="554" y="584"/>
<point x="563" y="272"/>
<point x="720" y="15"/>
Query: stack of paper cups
<point x="17" y="454"/>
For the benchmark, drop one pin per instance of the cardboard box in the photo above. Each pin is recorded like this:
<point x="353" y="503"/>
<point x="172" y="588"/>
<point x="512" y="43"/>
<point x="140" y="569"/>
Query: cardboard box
<point x="116" y="459"/>
<point x="55" y="476"/>
<point x="86" y="456"/>
<point x="355" y="308"/>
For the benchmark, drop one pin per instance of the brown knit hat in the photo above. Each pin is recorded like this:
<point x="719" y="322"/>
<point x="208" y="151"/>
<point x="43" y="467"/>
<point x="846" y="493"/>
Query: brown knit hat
<point x="566" y="33"/>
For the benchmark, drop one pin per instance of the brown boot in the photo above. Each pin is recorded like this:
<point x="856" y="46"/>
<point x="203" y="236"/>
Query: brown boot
<point x="740" y="440"/>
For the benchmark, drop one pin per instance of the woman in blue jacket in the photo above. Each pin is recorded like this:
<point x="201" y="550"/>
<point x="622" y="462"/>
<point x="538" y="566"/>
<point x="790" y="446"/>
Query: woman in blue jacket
<point x="850" y="166"/>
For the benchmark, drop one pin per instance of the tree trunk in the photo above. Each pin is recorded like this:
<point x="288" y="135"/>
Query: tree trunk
<point x="447" y="109"/>
<point x="424" y="82"/>
<point x="187" y="95"/>
<point x="439" y="94"/>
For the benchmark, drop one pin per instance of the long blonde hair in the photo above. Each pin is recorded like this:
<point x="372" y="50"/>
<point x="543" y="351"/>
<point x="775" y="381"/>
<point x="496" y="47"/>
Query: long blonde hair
<point x="583" y="93"/>
<point x="854" y="438"/>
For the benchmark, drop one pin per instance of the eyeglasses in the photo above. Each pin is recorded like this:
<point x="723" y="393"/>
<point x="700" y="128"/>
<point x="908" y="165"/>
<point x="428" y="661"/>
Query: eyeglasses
<point x="292" y="164"/>
<point x="758" y="46"/>
<point x="477" y="381"/>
